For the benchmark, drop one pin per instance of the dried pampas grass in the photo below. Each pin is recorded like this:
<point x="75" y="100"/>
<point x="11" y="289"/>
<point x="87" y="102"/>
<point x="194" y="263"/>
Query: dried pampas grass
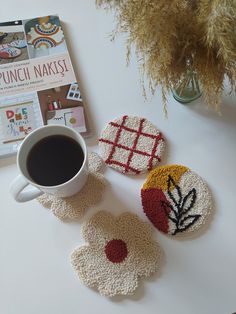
<point x="167" y="33"/>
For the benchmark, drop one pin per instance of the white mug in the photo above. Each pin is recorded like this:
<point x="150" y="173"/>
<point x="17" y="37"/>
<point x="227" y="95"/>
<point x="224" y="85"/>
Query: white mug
<point x="66" y="189"/>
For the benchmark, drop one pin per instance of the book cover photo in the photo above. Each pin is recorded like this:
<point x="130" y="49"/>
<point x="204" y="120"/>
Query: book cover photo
<point x="38" y="85"/>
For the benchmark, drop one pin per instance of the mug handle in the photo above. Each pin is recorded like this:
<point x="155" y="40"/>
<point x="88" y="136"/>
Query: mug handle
<point x="17" y="187"/>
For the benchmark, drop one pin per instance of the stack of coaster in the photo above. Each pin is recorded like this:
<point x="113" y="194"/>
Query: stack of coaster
<point x="176" y="200"/>
<point x="73" y="207"/>
<point x="131" y="145"/>
<point x="118" y="252"/>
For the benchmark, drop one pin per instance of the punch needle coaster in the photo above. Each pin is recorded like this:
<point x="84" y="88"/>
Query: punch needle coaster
<point x="176" y="200"/>
<point x="73" y="207"/>
<point x="45" y="35"/>
<point x="119" y="250"/>
<point x="131" y="145"/>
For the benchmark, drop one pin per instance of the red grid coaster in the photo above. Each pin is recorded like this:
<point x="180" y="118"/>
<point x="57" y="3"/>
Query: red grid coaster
<point x="131" y="145"/>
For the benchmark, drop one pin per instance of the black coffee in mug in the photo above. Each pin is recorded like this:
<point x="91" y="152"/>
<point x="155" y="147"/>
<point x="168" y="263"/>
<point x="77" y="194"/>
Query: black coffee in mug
<point x="54" y="160"/>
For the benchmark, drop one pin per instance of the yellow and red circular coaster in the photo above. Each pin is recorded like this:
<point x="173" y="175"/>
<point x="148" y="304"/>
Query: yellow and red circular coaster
<point x="176" y="200"/>
<point x="131" y="145"/>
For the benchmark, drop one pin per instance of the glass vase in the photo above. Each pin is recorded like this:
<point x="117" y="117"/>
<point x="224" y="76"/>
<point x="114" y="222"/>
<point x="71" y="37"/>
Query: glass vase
<point x="187" y="89"/>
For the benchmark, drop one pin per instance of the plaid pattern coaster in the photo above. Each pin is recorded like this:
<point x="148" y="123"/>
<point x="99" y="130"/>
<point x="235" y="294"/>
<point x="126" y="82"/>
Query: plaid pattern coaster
<point x="131" y="145"/>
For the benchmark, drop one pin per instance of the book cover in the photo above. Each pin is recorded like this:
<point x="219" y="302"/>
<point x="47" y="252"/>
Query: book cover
<point x="37" y="81"/>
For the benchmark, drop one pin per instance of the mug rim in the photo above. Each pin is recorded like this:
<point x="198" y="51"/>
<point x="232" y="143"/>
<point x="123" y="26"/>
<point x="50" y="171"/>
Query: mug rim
<point x="85" y="151"/>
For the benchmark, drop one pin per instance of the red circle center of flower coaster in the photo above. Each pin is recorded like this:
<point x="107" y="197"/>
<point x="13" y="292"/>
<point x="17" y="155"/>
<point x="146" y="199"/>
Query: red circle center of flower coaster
<point x="116" y="251"/>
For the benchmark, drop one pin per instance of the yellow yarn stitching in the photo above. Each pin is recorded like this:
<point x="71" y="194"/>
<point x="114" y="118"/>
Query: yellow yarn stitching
<point x="158" y="178"/>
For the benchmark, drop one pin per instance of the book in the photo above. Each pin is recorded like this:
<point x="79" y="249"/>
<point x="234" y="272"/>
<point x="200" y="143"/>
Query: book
<point x="38" y="85"/>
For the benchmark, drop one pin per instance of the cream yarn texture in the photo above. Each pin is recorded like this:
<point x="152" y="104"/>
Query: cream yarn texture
<point x="119" y="250"/>
<point x="131" y="145"/>
<point x="96" y="163"/>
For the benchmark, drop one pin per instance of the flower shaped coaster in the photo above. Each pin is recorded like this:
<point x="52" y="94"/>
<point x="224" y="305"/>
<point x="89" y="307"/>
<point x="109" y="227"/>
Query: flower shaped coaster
<point x="131" y="145"/>
<point x="176" y="200"/>
<point x="95" y="162"/>
<point x="73" y="207"/>
<point x="119" y="250"/>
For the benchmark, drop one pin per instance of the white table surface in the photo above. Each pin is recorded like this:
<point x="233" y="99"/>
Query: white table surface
<point x="199" y="275"/>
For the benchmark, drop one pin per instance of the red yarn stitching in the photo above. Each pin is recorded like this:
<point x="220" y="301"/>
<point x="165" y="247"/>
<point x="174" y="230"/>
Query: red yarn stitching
<point x="116" y="251"/>
<point x="152" y="205"/>
<point x="132" y="150"/>
<point x="159" y="137"/>
<point x="134" y="144"/>
<point x="132" y="130"/>
<point x="116" y="139"/>
<point x="127" y="148"/>
<point x="115" y="162"/>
